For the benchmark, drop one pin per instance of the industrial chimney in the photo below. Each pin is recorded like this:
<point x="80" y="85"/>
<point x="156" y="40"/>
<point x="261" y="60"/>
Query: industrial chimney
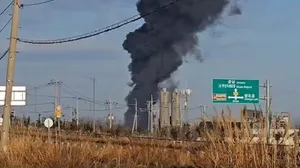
<point x="175" y="109"/>
<point x="164" y="115"/>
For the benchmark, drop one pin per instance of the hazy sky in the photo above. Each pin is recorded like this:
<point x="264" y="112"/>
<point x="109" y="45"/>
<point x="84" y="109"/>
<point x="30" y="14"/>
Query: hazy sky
<point x="259" y="44"/>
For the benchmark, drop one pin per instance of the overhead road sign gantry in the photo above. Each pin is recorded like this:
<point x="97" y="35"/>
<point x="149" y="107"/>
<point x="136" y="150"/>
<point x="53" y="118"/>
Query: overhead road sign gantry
<point x="235" y="91"/>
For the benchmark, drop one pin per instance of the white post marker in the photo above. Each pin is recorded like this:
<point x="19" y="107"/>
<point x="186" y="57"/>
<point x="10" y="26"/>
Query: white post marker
<point x="48" y="123"/>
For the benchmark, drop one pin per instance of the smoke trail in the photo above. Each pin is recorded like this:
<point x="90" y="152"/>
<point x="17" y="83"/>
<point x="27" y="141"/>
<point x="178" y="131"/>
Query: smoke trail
<point x="158" y="46"/>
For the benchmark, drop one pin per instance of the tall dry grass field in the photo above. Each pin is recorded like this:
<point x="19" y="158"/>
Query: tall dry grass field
<point x="28" y="152"/>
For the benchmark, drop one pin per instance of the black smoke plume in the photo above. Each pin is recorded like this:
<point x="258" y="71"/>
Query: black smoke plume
<point x="157" y="48"/>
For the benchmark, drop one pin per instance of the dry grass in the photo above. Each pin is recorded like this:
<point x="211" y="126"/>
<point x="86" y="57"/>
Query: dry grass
<point x="28" y="152"/>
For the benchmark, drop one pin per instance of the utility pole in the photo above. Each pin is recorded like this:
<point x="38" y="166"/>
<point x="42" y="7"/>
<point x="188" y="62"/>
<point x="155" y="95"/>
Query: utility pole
<point x="10" y="74"/>
<point x="55" y="99"/>
<point x="268" y="111"/>
<point x="35" y="90"/>
<point x="151" y="114"/>
<point x="134" y="125"/>
<point x="268" y="118"/>
<point x="110" y="115"/>
<point x="94" y="102"/>
<point x="58" y="90"/>
<point x="77" y="111"/>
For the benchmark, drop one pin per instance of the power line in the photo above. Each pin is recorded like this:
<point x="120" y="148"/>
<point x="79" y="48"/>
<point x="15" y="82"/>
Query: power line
<point x="116" y="108"/>
<point x="46" y="111"/>
<point x="99" y="31"/>
<point x="5" y="9"/>
<point x="38" y="87"/>
<point x="49" y="96"/>
<point x="69" y="92"/>
<point x="37" y="3"/>
<point x="77" y="93"/>
<point x="40" y="112"/>
<point x="3" y="55"/>
<point x="66" y="97"/>
<point x="5" y="24"/>
<point x="40" y="104"/>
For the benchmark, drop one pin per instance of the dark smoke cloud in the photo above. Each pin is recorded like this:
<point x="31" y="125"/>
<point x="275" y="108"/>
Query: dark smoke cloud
<point x="157" y="48"/>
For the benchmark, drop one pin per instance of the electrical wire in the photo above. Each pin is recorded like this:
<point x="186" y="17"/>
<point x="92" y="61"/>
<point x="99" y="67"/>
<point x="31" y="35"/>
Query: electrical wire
<point x="40" y="112"/>
<point x="76" y="92"/>
<point x="40" y="104"/>
<point x="5" y="24"/>
<point x="5" y="9"/>
<point x="66" y="97"/>
<point x="116" y="108"/>
<point x="81" y="98"/>
<point x="37" y="3"/>
<point x="99" y="31"/>
<point x="49" y="96"/>
<point x="69" y="92"/>
<point x="5" y="52"/>
<point x="39" y="87"/>
<point x="46" y="111"/>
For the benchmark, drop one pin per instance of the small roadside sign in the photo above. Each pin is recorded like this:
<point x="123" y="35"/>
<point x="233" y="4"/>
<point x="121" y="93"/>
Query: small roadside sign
<point x="58" y="111"/>
<point x="48" y="123"/>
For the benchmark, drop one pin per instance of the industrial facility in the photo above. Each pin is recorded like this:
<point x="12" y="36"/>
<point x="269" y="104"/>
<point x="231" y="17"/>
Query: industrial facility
<point x="170" y="112"/>
<point x="251" y="125"/>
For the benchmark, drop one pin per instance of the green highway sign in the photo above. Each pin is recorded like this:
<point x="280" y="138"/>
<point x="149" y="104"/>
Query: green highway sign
<point x="235" y="91"/>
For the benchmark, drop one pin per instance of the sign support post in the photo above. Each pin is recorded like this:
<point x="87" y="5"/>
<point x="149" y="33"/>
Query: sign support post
<point x="58" y="116"/>
<point x="48" y="123"/>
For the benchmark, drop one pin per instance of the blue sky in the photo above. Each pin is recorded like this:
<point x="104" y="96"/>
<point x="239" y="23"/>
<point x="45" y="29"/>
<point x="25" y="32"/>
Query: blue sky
<point x="259" y="44"/>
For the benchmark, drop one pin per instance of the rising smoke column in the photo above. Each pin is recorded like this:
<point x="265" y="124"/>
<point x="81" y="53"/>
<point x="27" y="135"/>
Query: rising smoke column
<point x="158" y="46"/>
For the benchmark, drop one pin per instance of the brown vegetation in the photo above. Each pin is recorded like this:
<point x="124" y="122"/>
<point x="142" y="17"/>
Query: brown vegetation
<point x="27" y="152"/>
<point x="31" y="150"/>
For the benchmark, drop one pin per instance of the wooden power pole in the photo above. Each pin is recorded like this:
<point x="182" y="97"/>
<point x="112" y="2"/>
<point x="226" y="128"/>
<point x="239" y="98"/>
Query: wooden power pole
<point x="10" y="74"/>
